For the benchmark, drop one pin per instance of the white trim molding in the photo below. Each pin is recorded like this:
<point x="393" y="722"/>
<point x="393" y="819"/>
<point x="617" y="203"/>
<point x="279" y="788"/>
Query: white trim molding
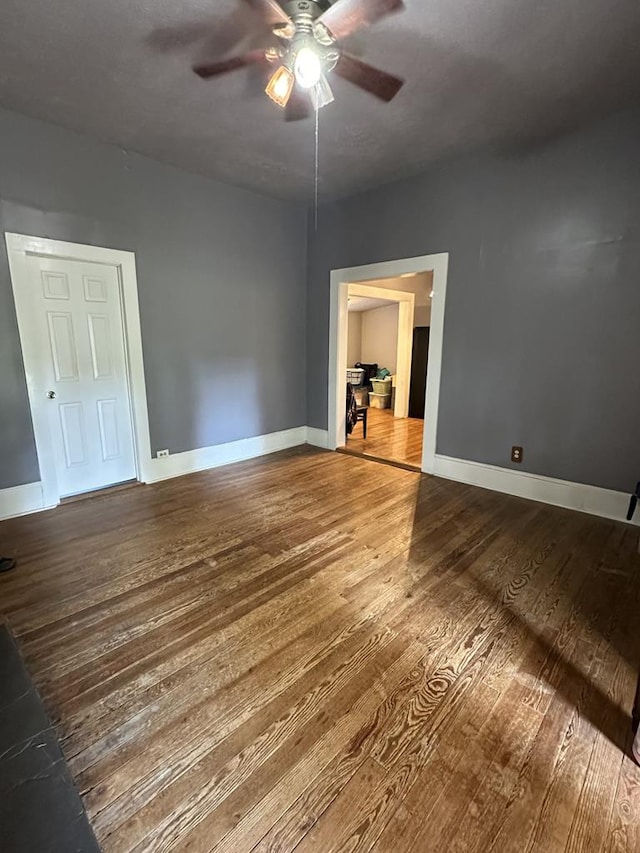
<point x="205" y="458"/>
<point x="21" y="500"/>
<point x="577" y="496"/>
<point x="317" y="437"/>
<point x="19" y="248"/>
<point x="340" y="280"/>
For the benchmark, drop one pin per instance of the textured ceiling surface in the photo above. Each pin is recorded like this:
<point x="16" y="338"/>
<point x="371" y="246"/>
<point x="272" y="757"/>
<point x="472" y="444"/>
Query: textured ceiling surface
<point x="499" y="74"/>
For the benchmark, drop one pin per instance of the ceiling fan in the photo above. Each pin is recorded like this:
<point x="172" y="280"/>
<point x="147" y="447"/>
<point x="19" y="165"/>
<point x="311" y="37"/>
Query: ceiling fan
<point x="304" y="44"/>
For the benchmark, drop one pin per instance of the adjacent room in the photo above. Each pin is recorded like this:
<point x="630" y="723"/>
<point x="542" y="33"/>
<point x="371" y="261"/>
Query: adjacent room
<point x="319" y="455"/>
<point x="387" y="328"/>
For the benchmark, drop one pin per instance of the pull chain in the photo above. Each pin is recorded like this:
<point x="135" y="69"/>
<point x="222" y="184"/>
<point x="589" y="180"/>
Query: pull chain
<point x="317" y="167"/>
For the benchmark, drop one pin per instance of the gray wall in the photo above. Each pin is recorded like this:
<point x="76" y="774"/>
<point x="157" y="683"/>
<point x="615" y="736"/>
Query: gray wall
<point x="542" y="329"/>
<point x="543" y="308"/>
<point x="221" y="277"/>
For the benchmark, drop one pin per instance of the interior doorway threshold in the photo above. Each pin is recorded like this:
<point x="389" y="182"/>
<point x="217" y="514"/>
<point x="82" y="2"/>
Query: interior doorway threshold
<point x="100" y="493"/>
<point x="395" y="463"/>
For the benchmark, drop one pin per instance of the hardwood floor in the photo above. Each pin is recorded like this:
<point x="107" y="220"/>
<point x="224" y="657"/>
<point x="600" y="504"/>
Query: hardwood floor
<point x="395" y="439"/>
<point x="309" y="652"/>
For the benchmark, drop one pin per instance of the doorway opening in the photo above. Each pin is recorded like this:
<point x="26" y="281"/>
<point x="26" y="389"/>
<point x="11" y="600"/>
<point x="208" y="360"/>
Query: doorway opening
<point x="79" y="326"/>
<point x="381" y="324"/>
<point x="398" y="400"/>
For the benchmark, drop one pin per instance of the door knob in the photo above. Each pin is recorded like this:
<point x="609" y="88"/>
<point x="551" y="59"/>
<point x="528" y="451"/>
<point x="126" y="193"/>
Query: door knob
<point x="51" y="395"/>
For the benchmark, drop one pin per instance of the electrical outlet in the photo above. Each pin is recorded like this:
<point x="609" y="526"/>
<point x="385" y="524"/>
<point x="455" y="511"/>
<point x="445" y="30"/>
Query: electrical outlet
<point x="516" y="454"/>
<point x="161" y="454"/>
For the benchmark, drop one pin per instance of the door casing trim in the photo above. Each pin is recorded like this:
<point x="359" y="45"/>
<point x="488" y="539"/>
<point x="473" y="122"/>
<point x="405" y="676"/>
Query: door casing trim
<point x="339" y="281"/>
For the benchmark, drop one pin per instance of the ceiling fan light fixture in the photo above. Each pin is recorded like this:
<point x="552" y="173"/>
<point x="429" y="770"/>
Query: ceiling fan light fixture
<point x="305" y="47"/>
<point x="307" y="68"/>
<point x="321" y="94"/>
<point x="284" y="30"/>
<point x="280" y="86"/>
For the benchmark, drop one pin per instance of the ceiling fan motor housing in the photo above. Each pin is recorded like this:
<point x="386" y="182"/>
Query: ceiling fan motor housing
<point x="305" y="7"/>
<point x="303" y="12"/>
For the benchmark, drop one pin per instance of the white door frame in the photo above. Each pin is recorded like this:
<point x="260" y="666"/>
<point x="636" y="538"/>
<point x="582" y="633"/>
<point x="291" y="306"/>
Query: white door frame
<point x="19" y="248"/>
<point x="406" y="309"/>
<point x="340" y="279"/>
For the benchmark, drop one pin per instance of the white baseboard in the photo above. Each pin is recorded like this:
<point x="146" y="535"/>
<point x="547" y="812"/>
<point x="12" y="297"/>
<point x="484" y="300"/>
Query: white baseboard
<point x="20" y="500"/>
<point x="223" y="454"/>
<point x="318" y="437"/>
<point x="577" y="496"/>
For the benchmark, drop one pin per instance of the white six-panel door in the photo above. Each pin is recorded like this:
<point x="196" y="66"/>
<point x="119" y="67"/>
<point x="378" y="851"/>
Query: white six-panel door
<point x="76" y="314"/>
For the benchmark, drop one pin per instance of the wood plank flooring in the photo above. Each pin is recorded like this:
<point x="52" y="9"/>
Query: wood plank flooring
<point x="309" y="652"/>
<point x="395" y="439"/>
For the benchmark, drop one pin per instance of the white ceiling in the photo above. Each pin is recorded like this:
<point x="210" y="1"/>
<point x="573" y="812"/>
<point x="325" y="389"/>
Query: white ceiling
<point x="496" y="73"/>
<point x="367" y="303"/>
<point x="420" y="284"/>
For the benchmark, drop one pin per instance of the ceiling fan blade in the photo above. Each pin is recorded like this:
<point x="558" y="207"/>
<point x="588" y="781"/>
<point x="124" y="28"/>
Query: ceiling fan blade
<point x="298" y="106"/>
<point x="176" y="38"/>
<point x="218" y="36"/>
<point x="271" y="11"/>
<point x="213" y="69"/>
<point x="221" y="36"/>
<point x="347" y="16"/>
<point x="379" y="83"/>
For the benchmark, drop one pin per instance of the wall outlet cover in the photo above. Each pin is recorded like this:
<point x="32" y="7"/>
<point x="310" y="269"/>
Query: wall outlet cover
<point x="161" y="454"/>
<point x="516" y="454"/>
